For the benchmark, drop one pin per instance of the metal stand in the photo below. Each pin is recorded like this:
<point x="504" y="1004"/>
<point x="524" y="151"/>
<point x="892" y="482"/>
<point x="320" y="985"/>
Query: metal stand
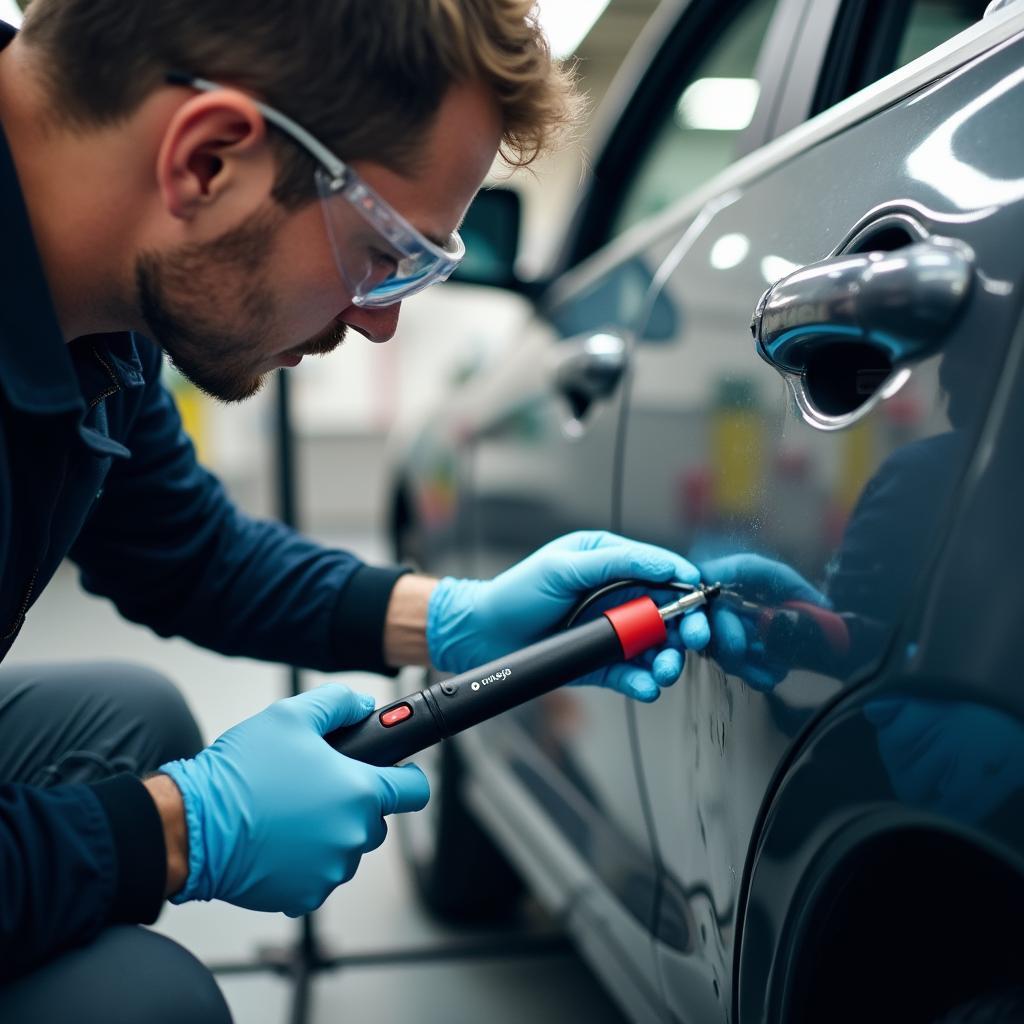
<point x="304" y="957"/>
<point x="301" y="961"/>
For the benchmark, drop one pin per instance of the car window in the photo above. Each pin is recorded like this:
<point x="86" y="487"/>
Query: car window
<point x="932" y="22"/>
<point x="698" y="131"/>
<point x="614" y="302"/>
<point x="872" y="38"/>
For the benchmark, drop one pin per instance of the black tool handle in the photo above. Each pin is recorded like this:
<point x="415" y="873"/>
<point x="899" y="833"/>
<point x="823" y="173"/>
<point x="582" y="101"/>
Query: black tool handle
<point x="419" y="720"/>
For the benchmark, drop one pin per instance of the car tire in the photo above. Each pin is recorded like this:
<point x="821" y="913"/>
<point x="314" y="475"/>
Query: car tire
<point x="460" y="875"/>
<point x="1002" y="1006"/>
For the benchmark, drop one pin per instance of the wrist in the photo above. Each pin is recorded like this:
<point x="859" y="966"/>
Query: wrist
<point x="171" y="808"/>
<point x="452" y="640"/>
<point x="405" y="623"/>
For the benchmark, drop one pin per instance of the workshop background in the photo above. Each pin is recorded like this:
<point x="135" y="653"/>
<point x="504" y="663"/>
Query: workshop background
<point x="346" y="410"/>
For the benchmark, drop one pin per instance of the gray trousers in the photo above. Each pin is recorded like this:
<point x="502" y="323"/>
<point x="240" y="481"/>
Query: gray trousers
<point x="83" y="723"/>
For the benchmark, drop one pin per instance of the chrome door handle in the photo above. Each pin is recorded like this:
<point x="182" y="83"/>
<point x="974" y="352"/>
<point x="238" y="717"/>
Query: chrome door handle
<point x="902" y="303"/>
<point x="592" y="370"/>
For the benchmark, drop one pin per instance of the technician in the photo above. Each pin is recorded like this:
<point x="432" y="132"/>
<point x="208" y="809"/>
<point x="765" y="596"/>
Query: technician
<point x="237" y="186"/>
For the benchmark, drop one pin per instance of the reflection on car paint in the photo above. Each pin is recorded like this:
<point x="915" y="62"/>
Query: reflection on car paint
<point x="828" y="539"/>
<point x="719" y="464"/>
<point x="955" y="758"/>
<point x="939" y="161"/>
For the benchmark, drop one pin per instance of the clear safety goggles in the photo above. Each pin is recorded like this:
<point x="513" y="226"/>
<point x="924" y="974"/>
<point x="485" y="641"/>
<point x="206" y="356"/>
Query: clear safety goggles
<point x="381" y="257"/>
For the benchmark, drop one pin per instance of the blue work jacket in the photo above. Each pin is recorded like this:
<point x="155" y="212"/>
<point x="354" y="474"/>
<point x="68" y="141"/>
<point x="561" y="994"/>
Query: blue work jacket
<point x="95" y="466"/>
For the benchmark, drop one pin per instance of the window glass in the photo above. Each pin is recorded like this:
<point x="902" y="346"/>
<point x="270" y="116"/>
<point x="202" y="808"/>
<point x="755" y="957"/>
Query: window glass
<point x="699" y="131"/>
<point x="931" y="22"/>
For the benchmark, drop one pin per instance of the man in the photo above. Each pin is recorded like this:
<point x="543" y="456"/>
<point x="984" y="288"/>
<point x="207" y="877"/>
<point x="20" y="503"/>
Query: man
<point x="236" y="186"/>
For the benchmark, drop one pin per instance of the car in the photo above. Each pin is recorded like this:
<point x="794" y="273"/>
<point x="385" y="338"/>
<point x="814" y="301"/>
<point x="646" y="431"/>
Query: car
<point x="822" y="820"/>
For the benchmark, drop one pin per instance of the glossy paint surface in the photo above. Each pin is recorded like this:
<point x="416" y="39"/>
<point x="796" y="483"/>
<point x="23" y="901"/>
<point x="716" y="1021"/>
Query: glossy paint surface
<point x="676" y="838"/>
<point x="721" y="461"/>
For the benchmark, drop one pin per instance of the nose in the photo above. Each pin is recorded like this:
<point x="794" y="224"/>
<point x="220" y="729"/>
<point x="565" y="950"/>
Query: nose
<point x="379" y="325"/>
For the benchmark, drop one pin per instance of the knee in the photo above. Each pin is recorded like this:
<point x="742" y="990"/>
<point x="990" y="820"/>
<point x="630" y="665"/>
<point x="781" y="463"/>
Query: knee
<point x="129" y="716"/>
<point x="137" y="711"/>
<point x="176" y="988"/>
<point x="127" y="974"/>
<point x="150" y="697"/>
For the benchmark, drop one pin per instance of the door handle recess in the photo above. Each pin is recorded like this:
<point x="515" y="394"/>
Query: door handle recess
<point x="902" y="303"/>
<point x="592" y="370"/>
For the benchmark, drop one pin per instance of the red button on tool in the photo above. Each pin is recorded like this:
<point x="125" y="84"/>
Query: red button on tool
<point x="395" y="715"/>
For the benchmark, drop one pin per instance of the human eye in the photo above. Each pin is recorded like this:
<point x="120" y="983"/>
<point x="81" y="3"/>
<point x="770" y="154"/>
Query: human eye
<point x="384" y="261"/>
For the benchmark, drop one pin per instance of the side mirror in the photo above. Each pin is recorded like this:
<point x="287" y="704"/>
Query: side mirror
<point x="491" y="233"/>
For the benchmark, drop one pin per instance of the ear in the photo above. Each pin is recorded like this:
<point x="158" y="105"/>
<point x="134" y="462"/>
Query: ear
<point x="215" y="151"/>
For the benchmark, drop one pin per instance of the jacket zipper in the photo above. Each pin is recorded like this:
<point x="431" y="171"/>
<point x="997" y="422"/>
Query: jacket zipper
<point x="19" y="619"/>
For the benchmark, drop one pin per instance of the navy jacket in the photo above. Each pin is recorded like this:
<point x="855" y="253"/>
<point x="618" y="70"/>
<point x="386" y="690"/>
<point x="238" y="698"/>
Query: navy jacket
<point x="94" y="465"/>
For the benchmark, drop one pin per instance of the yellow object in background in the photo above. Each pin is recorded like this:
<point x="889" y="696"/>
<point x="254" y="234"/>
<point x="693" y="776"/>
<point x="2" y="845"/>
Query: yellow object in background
<point x="193" y="407"/>
<point x="736" y="432"/>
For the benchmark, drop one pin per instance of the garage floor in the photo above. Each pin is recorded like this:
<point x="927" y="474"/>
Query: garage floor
<point x="374" y="911"/>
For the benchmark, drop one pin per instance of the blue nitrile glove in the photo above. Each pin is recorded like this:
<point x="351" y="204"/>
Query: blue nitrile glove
<point x="471" y="622"/>
<point x="734" y="641"/>
<point x="277" y="818"/>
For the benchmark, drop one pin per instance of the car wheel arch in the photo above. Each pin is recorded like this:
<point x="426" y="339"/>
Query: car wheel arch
<point x="820" y="913"/>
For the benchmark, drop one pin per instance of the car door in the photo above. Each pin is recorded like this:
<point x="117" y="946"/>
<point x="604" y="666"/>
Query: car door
<point x="543" y="460"/>
<point x="541" y="465"/>
<point x="816" y="484"/>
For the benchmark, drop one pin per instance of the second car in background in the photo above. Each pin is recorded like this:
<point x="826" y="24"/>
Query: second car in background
<point x="821" y="821"/>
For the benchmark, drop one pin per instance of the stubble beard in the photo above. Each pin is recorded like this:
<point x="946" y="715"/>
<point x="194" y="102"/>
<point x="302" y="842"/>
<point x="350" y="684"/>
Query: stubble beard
<point x="210" y="308"/>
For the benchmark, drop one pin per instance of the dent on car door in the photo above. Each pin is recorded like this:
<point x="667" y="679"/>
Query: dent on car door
<point x="816" y="488"/>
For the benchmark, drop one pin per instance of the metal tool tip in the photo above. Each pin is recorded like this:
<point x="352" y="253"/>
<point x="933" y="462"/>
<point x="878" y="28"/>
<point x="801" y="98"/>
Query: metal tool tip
<point x="712" y="591"/>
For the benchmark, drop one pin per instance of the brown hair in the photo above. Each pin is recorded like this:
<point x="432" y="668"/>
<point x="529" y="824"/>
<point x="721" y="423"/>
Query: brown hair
<point x="364" y="76"/>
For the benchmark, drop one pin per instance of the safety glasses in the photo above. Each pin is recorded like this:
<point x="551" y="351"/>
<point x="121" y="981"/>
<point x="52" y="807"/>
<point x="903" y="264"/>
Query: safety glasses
<point x="381" y="257"/>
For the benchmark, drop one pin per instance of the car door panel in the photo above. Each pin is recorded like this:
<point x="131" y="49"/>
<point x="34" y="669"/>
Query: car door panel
<point x="542" y="464"/>
<point x="719" y="461"/>
<point x="542" y="460"/>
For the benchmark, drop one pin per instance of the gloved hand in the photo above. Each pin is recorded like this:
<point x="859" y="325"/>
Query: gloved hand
<point x="471" y="622"/>
<point x="277" y="818"/>
<point x="735" y="643"/>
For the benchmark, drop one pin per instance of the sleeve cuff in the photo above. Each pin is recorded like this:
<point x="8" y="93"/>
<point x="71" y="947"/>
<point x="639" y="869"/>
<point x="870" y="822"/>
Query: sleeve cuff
<point x="139" y="842"/>
<point x="357" y="625"/>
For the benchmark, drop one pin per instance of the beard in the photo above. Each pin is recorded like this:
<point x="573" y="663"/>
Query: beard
<point x="210" y="307"/>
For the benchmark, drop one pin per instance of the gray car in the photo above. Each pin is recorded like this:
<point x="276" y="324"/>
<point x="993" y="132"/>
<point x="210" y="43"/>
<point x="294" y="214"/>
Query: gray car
<point x="823" y="821"/>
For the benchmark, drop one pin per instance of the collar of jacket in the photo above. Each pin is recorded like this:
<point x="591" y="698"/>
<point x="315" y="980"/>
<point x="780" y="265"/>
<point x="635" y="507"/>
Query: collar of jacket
<point x="39" y="373"/>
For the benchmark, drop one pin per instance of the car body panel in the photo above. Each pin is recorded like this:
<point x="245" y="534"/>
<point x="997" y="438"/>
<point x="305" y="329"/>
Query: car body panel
<point x="539" y="469"/>
<point x="718" y="460"/>
<point x="939" y="740"/>
<point x="521" y="463"/>
<point x="703" y="449"/>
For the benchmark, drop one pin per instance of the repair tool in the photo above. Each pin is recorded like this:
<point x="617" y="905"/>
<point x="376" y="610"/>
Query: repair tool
<point x="421" y="719"/>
